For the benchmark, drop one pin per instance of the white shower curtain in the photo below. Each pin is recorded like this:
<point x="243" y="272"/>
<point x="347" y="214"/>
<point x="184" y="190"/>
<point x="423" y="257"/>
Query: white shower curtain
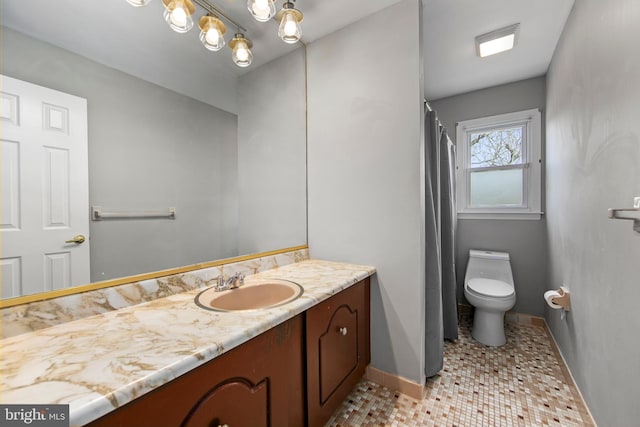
<point x="440" y="224"/>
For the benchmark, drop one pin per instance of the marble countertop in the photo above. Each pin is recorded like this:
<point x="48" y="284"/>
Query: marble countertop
<point x="102" y="362"/>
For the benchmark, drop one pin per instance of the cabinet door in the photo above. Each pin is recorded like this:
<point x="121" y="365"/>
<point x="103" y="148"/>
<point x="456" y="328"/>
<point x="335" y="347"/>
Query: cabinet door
<point x="259" y="383"/>
<point x="337" y="350"/>
<point x="235" y="402"/>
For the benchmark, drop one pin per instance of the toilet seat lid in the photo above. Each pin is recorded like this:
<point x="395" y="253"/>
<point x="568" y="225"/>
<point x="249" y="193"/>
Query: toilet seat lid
<point x="491" y="287"/>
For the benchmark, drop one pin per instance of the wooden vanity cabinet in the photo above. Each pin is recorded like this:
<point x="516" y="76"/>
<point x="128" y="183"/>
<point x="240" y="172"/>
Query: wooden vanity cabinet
<point x="338" y="350"/>
<point x="262" y="382"/>
<point x="259" y="383"/>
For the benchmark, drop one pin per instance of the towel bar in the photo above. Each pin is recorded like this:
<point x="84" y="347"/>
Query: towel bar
<point x="632" y="214"/>
<point x="97" y="214"/>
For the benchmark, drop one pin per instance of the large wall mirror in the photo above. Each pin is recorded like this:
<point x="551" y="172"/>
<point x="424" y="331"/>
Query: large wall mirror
<point x="168" y="124"/>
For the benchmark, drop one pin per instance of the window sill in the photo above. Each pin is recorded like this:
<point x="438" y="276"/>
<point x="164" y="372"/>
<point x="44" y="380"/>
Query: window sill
<point x="501" y="215"/>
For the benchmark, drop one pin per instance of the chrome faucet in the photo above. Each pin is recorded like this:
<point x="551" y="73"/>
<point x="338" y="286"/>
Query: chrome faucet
<point x="231" y="282"/>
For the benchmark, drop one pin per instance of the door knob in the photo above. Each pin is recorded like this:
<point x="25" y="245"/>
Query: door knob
<point x="76" y="239"/>
<point x="342" y="331"/>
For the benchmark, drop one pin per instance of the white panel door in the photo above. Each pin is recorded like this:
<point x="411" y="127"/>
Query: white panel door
<point x="45" y="189"/>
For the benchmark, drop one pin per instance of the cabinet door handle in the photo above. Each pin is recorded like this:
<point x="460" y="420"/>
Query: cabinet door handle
<point x="223" y="425"/>
<point x="342" y="330"/>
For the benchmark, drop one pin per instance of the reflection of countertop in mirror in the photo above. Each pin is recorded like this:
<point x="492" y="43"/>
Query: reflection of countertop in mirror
<point x="103" y="362"/>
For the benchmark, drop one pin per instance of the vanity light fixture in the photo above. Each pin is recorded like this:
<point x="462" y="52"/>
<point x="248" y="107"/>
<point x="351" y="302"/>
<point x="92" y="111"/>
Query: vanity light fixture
<point x="212" y="31"/>
<point x="497" y="41"/>
<point x="241" y="47"/>
<point x="262" y="10"/>
<point x="178" y="13"/>
<point x="290" y="19"/>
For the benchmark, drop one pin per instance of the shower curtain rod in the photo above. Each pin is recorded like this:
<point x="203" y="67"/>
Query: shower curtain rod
<point x="428" y="108"/>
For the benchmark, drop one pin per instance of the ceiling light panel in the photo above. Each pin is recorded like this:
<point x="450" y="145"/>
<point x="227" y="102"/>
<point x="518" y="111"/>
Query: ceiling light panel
<point x="497" y="41"/>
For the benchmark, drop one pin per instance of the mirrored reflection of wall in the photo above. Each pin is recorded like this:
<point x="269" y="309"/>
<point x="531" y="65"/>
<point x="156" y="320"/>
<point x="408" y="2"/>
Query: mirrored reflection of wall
<point x="271" y="152"/>
<point x="149" y="148"/>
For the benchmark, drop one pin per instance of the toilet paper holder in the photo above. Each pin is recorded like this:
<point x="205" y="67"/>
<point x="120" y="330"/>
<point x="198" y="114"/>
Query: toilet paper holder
<point x="564" y="300"/>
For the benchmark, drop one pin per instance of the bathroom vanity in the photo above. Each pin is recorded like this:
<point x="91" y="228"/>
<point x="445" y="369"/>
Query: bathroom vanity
<point x="262" y="382"/>
<point x="171" y="362"/>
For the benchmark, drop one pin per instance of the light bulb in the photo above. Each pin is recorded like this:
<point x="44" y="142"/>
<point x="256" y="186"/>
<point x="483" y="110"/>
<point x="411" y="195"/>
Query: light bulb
<point x="242" y="54"/>
<point x="212" y="32"/>
<point x="241" y="47"/>
<point x="289" y="30"/>
<point x="178" y="15"/>
<point x="212" y="36"/>
<point x="261" y="10"/>
<point x="290" y="26"/>
<point x="212" y="39"/>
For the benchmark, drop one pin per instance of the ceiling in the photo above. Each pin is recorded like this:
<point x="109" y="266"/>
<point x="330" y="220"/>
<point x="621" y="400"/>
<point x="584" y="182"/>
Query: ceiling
<point x="451" y="66"/>
<point x="450" y="27"/>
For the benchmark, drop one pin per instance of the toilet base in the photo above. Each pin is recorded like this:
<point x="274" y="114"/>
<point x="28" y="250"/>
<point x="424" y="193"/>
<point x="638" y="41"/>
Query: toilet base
<point x="488" y="327"/>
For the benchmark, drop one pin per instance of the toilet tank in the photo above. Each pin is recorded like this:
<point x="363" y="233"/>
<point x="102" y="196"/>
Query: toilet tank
<point x="490" y="265"/>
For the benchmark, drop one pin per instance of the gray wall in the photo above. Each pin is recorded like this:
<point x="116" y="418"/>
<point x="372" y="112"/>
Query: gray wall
<point x="593" y="163"/>
<point x="525" y="240"/>
<point x="272" y="135"/>
<point x="149" y="148"/>
<point x="365" y="206"/>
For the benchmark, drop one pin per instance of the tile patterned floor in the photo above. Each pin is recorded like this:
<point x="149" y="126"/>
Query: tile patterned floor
<point x="523" y="383"/>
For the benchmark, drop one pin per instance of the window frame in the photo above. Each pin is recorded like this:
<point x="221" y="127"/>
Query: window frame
<point x="531" y="166"/>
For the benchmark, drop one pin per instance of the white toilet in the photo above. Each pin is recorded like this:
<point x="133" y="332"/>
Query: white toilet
<point x="488" y="286"/>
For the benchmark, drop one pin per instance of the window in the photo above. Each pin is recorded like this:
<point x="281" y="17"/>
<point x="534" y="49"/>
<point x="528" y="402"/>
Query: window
<point x="498" y="166"/>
